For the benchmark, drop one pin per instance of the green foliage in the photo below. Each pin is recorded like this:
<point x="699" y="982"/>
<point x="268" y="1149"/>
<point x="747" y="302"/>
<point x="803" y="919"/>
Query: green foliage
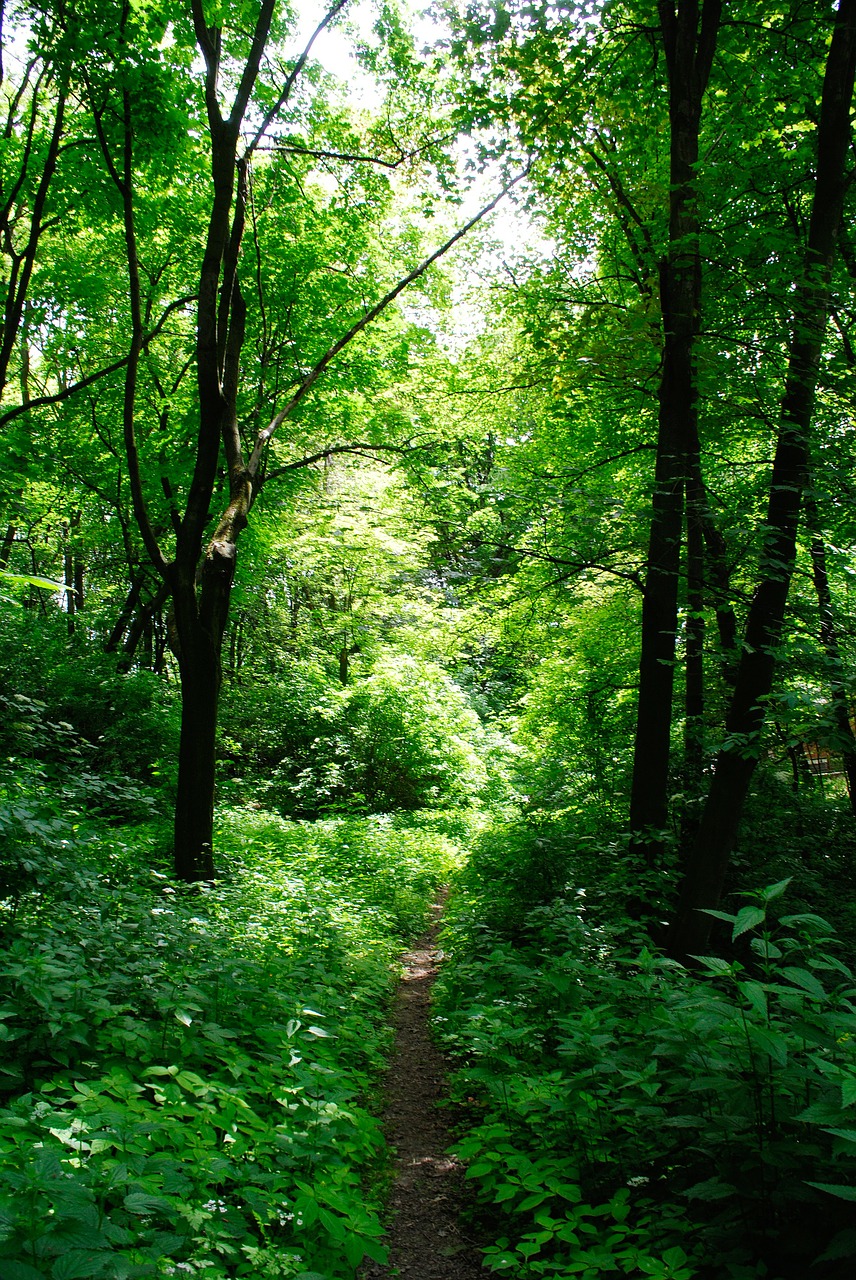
<point x="627" y="1115"/>
<point x="400" y="737"/>
<point x="70" y="682"/>
<point x="185" y="1071"/>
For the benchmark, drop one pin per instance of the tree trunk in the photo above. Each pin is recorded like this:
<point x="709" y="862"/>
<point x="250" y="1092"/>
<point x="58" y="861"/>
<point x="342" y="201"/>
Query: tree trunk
<point x="7" y="545"/>
<point x="68" y="579"/>
<point x="735" y="764"/>
<point x="199" y="665"/>
<point x="689" y="47"/>
<point x="201" y="614"/>
<point x="126" y="613"/>
<point x="146" y="623"/>
<point x="694" y="686"/>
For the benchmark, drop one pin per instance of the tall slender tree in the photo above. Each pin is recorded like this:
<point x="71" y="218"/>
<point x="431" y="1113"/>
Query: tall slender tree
<point x="737" y="759"/>
<point x="689" y="34"/>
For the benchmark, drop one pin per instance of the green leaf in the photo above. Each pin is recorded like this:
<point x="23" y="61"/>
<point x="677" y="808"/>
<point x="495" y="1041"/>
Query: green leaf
<point x="712" y="1189"/>
<point x="835" y="1189"/>
<point x="32" y="580"/>
<point x="755" y="995"/>
<point x="849" y="1135"/>
<point x="807" y="917"/>
<point x="773" y="1043"/>
<point x="775" y="890"/>
<point x="139" y="1202"/>
<point x="802" y="978"/>
<point x="766" y="949"/>
<point x="842" y="1245"/>
<point x="715" y="965"/>
<point x="747" y="918"/>
<point x="77" y="1265"/>
<point x="20" y="1271"/>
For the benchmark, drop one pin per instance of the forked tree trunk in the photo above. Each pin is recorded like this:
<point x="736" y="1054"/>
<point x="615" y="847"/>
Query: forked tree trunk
<point x="735" y="764"/>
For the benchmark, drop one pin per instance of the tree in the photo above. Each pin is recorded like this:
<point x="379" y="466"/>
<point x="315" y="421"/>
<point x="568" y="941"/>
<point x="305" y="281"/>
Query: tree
<point x="236" y="423"/>
<point x="689" y="35"/>
<point x="737" y="759"/>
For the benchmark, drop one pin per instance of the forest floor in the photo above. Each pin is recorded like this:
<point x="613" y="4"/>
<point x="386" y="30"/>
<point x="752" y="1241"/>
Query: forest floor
<point x="428" y="1194"/>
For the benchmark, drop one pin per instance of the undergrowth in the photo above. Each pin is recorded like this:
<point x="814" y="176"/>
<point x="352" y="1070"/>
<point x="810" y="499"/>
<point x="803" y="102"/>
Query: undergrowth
<point x="628" y="1117"/>
<point x="185" y="1073"/>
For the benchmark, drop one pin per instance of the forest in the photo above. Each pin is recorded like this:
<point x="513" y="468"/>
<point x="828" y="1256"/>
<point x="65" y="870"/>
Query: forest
<point x="426" y="468"/>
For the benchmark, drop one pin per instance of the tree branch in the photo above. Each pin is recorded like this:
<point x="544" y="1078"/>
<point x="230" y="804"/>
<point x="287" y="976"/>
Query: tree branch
<point x="58" y="396"/>
<point x="292" y="77"/>
<point x="322" y="454"/>
<point x="373" y="312"/>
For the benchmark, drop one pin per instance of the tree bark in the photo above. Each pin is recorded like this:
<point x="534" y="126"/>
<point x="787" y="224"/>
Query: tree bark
<point x="689" y="38"/>
<point x="694" y="677"/>
<point x="736" y="761"/>
<point x="201" y="679"/>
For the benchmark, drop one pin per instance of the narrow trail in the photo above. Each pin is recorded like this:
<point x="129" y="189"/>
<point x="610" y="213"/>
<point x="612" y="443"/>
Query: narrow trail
<point x="425" y="1236"/>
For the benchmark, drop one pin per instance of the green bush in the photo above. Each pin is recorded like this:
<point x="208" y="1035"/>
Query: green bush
<point x="185" y="1070"/>
<point x="402" y="738"/>
<point x="71" y="680"/>
<point x="631" y="1117"/>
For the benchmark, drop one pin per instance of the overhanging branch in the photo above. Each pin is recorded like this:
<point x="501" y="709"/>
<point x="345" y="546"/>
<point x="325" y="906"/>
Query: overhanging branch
<point x="330" y="354"/>
<point x="57" y="397"/>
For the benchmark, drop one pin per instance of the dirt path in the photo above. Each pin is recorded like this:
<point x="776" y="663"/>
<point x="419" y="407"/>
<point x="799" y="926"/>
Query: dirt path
<point x="425" y="1237"/>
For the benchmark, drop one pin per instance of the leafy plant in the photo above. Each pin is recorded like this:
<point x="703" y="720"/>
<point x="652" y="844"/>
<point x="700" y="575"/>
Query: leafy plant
<point x="185" y="1073"/>
<point x="711" y="1106"/>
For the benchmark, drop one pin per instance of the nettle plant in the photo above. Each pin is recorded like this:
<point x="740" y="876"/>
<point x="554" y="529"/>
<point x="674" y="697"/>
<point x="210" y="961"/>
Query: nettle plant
<point x="184" y="1072"/>
<point x="633" y="1117"/>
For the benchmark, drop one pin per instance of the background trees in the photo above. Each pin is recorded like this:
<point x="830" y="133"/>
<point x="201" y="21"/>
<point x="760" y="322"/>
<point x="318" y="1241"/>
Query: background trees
<point x="523" y="540"/>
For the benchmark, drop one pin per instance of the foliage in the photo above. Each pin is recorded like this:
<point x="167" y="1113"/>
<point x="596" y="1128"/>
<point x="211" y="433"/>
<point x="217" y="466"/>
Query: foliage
<point x="399" y="737"/>
<point x="185" y="1072"/>
<point x="59" y="678"/>
<point x="628" y="1116"/>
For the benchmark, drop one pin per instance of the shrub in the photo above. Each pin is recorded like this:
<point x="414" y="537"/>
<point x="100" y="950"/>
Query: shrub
<point x="631" y="1117"/>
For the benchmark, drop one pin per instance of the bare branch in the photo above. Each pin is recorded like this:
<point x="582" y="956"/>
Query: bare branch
<point x="359" y="447"/>
<point x="58" y="396"/>
<point x="292" y="77"/>
<point x="357" y="157"/>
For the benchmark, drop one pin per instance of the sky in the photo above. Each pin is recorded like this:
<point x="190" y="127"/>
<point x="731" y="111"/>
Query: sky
<point x="510" y="227"/>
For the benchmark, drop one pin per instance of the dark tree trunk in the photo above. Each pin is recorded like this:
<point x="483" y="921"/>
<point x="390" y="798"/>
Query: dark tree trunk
<point x="145" y="623"/>
<point x="201" y="677"/>
<point x="694" y="686"/>
<point x="7" y="545"/>
<point x="126" y="613"/>
<point x="201" y="612"/>
<point x="68" y="580"/>
<point x="689" y="38"/>
<point x="735" y="764"/>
